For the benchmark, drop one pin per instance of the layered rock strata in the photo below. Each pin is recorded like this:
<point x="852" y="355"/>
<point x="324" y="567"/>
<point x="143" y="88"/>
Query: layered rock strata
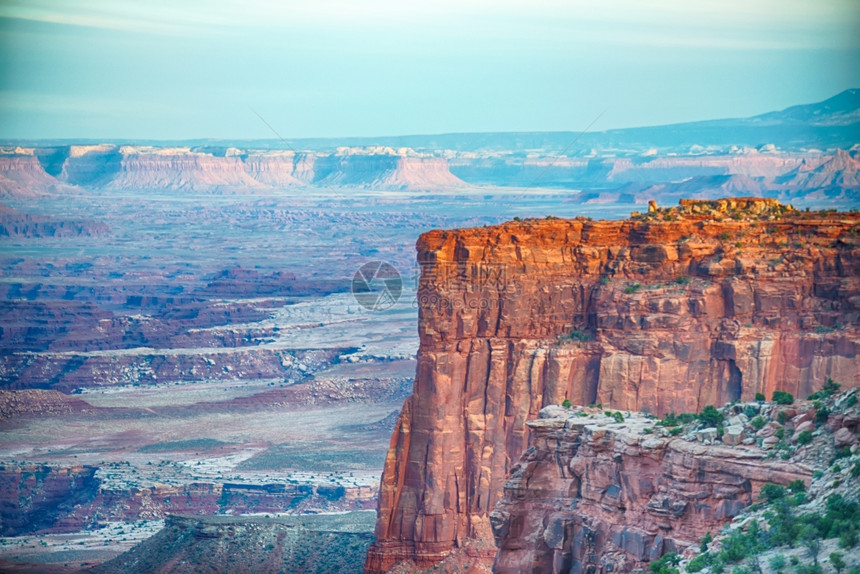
<point x="595" y="495"/>
<point x="667" y="311"/>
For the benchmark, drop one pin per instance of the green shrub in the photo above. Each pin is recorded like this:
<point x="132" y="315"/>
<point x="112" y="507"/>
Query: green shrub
<point x="619" y="418"/>
<point x="758" y="422"/>
<point x="777" y="561"/>
<point x="851" y="401"/>
<point x="805" y="437"/>
<point x="682" y="280"/>
<point x="670" y="420"/>
<point x="676" y="431"/>
<point x="782" y="398"/>
<point x="699" y="562"/>
<point x="837" y="562"/>
<point x="759" y="397"/>
<point x="855" y="470"/>
<point x="830" y="387"/>
<point x="711" y="416"/>
<point x="633" y="288"/>
<point x="566" y="403"/>
<point x="821" y="416"/>
<point x="797" y="486"/>
<point x="666" y="565"/>
<point x="706" y="541"/>
<point x="771" y="492"/>
<point x="780" y="433"/>
<point x="781" y="417"/>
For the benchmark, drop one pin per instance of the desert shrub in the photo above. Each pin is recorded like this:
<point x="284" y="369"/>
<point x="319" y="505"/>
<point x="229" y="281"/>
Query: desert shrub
<point x="666" y="565"/>
<point x="782" y="398"/>
<point x="781" y="417"/>
<point x="682" y="280"/>
<point x="619" y="418"/>
<point x="837" y="562"/>
<point x="670" y="420"/>
<point x="700" y="562"/>
<point x="566" y="403"/>
<point x="851" y="401"/>
<point x="821" y="415"/>
<point x="711" y="416"/>
<point x="633" y="288"/>
<point x="759" y="397"/>
<point x="706" y="541"/>
<point x="797" y="486"/>
<point x="805" y="437"/>
<point x="771" y="492"/>
<point x="758" y="422"/>
<point x="777" y="562"/>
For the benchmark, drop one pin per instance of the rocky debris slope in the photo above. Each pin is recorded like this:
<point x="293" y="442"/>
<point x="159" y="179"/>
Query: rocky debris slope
<point x="17" y="224"/>
<point x="670" y="310"/>
<point x="599" y="491"/>
<point x="14" y="404"/>
<point x="311" y="544"/>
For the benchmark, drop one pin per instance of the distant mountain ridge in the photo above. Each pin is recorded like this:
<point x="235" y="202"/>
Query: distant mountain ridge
<point x="807" y="152"/>
<point x="829" y="124"/>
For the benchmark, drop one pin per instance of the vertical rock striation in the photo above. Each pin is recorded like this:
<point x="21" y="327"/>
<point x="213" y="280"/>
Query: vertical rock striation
<point x="670" y="311"/>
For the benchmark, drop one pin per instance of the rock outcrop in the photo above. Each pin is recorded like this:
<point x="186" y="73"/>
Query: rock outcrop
<point x="595" y="495"/>
<point x="666" y="311"/>
<point x="609" y="492"/>
<point x="23" y="172"/>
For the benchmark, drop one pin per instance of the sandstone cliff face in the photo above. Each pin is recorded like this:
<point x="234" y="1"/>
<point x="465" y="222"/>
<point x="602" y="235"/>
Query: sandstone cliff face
<point x="22" y="176"/>
<point x="593" y="495"/>
<point x="657" y="314"/>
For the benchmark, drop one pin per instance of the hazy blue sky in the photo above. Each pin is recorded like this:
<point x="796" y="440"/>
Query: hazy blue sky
<point x="182" y="69"/>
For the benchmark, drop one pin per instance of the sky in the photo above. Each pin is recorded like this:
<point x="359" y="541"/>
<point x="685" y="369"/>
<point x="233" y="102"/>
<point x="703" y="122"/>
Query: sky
<point x="169" y="69"/>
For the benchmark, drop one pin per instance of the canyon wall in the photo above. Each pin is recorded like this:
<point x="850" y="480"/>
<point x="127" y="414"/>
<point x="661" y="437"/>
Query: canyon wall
<point x="596" y="495"/>
<point x="667" y="311"/>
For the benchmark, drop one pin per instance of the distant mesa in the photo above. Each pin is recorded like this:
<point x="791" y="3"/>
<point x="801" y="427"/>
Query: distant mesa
<point x="33" y="172"/>
<point x="803" y="151"/>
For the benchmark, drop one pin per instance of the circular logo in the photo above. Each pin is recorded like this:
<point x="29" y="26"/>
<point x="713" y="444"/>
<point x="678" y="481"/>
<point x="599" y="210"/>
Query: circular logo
<point x="377" y="286"/>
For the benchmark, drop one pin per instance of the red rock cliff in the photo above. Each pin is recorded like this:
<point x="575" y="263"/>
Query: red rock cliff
<point x="668" y="311"/>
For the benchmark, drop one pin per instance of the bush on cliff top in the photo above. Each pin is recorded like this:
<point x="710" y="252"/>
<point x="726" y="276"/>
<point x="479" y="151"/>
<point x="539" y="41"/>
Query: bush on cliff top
<point x="782" y="398"/>
<point x="711" y="416"/>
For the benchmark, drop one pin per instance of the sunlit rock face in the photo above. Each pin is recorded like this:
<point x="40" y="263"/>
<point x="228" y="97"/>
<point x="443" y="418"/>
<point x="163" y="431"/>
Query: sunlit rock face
<point x="667" y="311"/>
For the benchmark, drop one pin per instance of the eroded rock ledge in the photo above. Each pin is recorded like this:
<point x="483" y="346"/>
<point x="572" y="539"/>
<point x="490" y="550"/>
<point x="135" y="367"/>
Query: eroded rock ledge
<point x="595" y="495"/>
